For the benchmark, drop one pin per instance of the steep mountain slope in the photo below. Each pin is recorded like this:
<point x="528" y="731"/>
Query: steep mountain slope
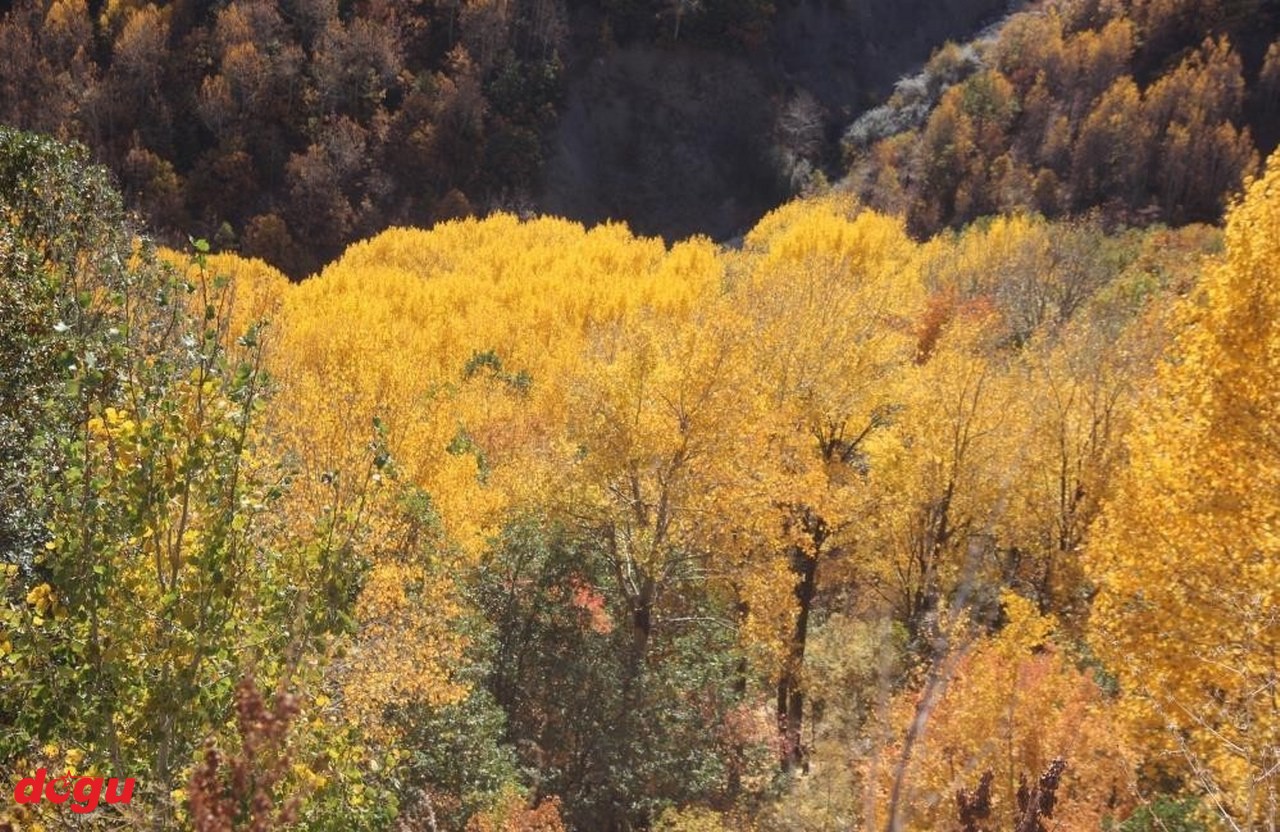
<point x="286" y="130"/>
<point x="1142" y="109"/>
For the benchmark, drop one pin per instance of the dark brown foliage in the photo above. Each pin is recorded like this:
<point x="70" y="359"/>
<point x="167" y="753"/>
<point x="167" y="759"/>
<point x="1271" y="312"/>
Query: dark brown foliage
<point x="1035" y="805"/>
<point x="689" y="117"/>
<point x="975" y="806"/>
<point x="238" y="792"/>
<point x="292" y="127"/>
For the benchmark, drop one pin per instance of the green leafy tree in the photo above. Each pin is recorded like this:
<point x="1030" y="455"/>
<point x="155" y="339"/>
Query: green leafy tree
<point x="134" y="589"/>
<point x="617" y="749"/>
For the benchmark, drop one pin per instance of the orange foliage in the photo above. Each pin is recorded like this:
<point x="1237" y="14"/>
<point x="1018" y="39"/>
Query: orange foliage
<point x="514" y="813"/>
<point x="1013" y="704"/>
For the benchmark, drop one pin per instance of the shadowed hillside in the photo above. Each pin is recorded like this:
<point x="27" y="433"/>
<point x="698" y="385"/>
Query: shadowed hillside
<point x="286" y="130"/>
<point x="692" y="137"/>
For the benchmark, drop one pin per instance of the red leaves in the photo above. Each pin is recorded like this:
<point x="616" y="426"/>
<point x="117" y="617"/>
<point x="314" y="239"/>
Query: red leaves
<point x="589" y="600"/>
<point x="238" y="792"/>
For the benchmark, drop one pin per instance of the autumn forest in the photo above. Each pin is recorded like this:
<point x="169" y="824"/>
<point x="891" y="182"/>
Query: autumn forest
<point x="397" y="435"/>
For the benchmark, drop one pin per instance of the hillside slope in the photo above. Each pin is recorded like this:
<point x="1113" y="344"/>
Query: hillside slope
<point x="286" y="130"/>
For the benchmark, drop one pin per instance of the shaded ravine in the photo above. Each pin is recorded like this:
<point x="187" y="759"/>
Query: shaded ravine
<point x="677" y="140"/>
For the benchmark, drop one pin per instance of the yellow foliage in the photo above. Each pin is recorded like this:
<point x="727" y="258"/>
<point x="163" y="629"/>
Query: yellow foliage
<point x="730" y="414"/>
<point x="1013" y="704"/>
<point x="828" y="294"/>
<point x="512" y="812"/>
<point x="408" y="645"/>
<point x="442" y="361"/>
<point x="1187" y="555"/>
<point x="938" y="478"/>
<point x="390" y="330"/>
<point x="699" y="819"/>
<point x="245" y="293"/>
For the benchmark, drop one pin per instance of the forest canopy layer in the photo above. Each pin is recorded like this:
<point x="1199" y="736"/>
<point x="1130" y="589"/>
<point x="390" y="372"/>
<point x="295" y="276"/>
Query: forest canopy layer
<point x="518" y="525"/>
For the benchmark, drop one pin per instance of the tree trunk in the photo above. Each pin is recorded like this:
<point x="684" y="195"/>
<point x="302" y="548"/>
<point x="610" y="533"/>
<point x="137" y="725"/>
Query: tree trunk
<point x="790" y="706"/>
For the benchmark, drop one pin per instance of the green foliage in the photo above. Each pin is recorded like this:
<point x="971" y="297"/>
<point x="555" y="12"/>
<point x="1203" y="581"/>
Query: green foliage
<point x="1165" y="814"/>
<point x="619" y="742"/>
<point x="64" y="255"/>
<point x="145" y="577"/>
<point x="488" y="360"/>
<point x="456" y="755"/>
<point x="150" y="543"/>
<point x="62" y="242"/>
